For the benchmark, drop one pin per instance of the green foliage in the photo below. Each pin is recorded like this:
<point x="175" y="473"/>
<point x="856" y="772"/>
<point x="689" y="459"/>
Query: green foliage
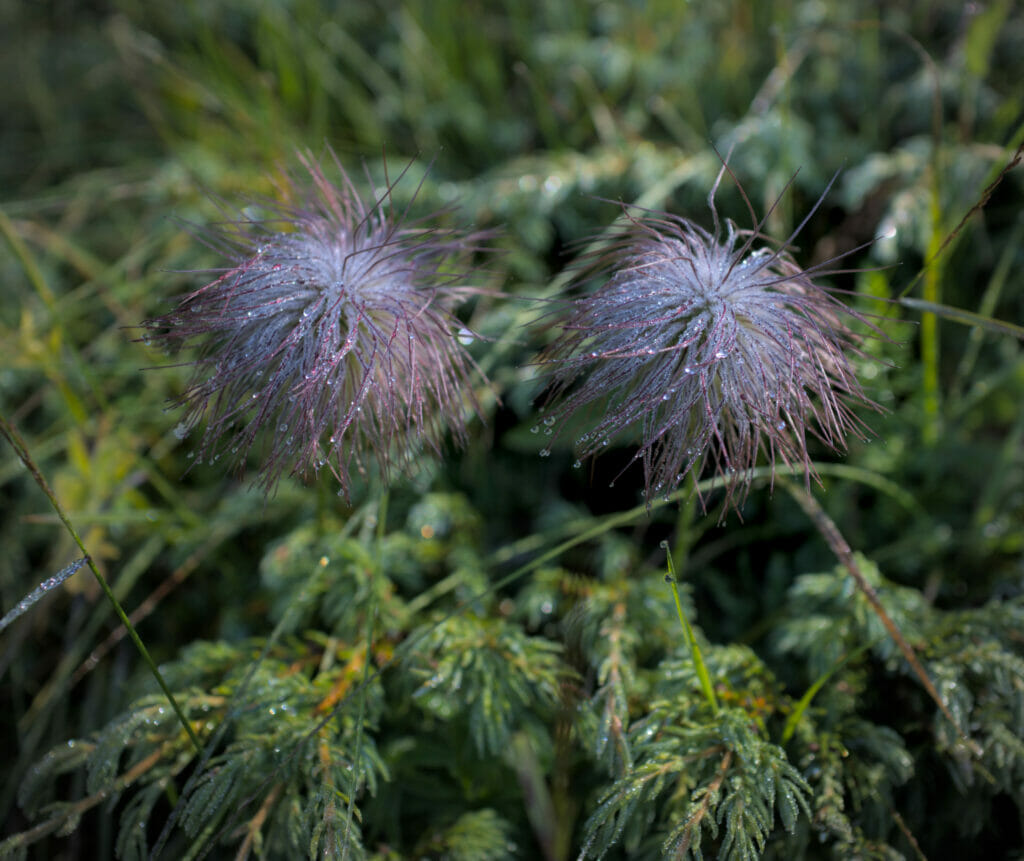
<point x="487" y="662"/>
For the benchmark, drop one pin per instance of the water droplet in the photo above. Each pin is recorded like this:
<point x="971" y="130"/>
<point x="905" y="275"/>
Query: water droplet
<point x="663" y="544"/>
<point x="576" y="465"/>
<point x="535" y="429"/>
<point x="465" y="337"/>
<point x="780" y="426"/>
<point x="721" y="354"/>
<point x="282" y="427"/>
<point x="690" y="370"/>
<point x="544" y="452"/>
<point x="181" y="431"/>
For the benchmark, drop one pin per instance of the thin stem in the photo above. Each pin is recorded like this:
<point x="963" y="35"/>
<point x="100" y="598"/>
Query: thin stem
<point x="371" y="614"/>
<point x="21" y="449"/>
<point x="691" y="639"/>
<point x="686" y="535"/>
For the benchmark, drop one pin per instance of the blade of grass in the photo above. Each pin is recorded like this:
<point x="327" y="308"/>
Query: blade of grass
<point x="18" y="444"/>
<point x="691" y="639"/>
<point x="812" y="691"/>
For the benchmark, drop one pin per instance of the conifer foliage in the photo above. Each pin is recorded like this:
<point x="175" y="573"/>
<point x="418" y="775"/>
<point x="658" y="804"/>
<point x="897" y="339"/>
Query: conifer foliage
<point x="473" y="606"/>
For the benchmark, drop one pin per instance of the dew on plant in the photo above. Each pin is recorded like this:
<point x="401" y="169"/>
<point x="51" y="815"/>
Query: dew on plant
<point x="411" y="631"/>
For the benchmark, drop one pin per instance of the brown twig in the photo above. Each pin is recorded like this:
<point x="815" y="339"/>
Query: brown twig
<point x="701" y="812"/>
<point x="256" y="823"/>
<point x="74" y="811"/>
<point x="830" y="532"/>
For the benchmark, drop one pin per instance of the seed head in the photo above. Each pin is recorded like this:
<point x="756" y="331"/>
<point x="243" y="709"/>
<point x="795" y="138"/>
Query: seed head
<point x="329" y="337"/>
<point x="709" y="346"/>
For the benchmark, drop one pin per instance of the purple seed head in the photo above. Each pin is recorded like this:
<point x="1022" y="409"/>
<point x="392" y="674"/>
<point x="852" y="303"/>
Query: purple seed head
<point x="709" y="346"/>
<point x="330" y="337"/>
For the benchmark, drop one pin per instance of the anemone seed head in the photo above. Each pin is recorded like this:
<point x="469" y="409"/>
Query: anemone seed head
<point x="329" y="337"/>
<point x="712" y="349"/>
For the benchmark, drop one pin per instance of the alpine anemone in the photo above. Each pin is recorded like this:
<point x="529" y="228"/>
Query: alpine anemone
<point x="330" y="337"/>
<point x="709" y="347"/>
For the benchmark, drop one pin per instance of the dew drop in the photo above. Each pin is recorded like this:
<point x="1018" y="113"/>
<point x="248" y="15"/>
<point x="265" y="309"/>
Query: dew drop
<point x="545" y="452"/>
<point x="282" y="427"/>
<point x="465" y="337"/>
<point x="576" y="465"/>
<point x="535" y="429"/>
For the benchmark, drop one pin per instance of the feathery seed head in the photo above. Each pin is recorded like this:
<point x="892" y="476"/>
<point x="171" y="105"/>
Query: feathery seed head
<point x="711" y="348"/>
<point x="331" y="336"/>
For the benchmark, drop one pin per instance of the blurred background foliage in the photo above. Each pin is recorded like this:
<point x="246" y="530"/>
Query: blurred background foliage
<point x="487" y="664"/>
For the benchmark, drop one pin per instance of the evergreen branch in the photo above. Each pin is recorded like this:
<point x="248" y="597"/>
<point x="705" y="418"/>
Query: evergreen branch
<point x="911" y="839"/>
<point x="709" y="795"/>
<point x="612" y="678"/>
<point x="71" y="813"/>
<point x="253" y="827"/>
